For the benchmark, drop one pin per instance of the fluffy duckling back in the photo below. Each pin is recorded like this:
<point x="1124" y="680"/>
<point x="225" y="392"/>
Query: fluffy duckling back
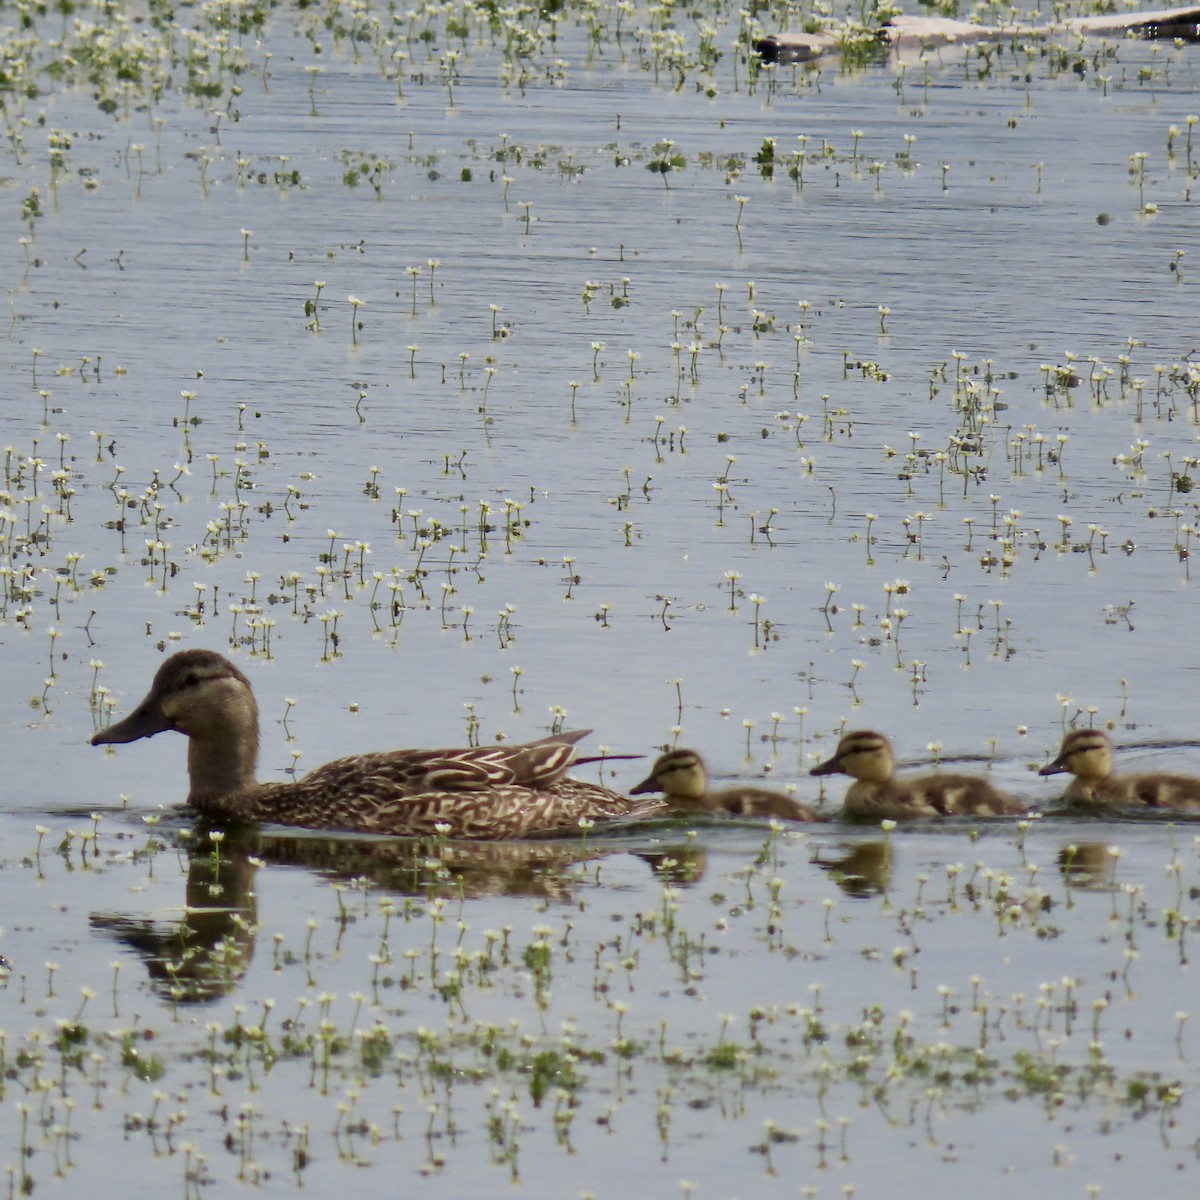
<point x="1088" y="755"/>
<point x="473" y="792"/>
<point x="867" y="757"/>
<point x="682" y="778"/>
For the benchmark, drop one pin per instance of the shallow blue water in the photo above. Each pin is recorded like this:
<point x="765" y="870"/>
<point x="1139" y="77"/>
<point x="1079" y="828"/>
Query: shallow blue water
<point x="991" y="266"/>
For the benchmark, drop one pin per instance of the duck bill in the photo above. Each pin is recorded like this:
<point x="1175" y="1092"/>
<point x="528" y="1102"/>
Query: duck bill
<point x="831" y="766"/>
<point x="649" y="784"/>
<point x="1056" y="767"/>
<point x="145" y="721"/>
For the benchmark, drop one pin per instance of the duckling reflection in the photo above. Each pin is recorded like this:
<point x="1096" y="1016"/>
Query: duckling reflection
<point x="681" y="865"/>
<point x="1088" y="755"/>
<point x="1087" y="866"/>
<point x="865" y="869"/>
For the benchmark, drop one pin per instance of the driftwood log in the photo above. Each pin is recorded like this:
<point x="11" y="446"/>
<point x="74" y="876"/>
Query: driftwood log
<point x="908" y="33"/>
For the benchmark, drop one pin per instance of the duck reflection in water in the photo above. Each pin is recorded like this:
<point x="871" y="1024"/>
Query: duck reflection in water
<point x="204" y="954"/>
<point x="1089" y="866"/>
<point x="862" y="869"/>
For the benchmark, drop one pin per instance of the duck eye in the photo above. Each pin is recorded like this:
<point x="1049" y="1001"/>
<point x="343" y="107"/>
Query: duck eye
<point x="191" y="681"/>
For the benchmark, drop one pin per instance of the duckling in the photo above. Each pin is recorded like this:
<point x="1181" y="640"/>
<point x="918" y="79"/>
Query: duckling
<point x="867" y="757"/>
<point x="1088" y="755"/>
<point x="476" y="792"/>
<point x="682" y="778"/>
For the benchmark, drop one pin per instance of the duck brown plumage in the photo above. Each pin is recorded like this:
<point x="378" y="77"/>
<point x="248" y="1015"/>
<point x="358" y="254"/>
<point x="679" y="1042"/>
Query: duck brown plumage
<point x="471" y="792"/>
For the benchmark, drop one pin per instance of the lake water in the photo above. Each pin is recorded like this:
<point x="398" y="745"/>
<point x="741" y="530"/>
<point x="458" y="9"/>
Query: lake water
<point x="584" y="415"/>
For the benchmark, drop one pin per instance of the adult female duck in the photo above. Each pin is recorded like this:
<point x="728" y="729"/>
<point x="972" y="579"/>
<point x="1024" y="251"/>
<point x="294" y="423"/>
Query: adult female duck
<point x="475" y="792"/>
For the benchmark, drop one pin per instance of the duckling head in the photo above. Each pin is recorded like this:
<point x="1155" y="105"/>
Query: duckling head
<point x="1085" y="753"/>
<point x="864" y="755"/>
<point x="678" y="773"/>
<point x="196" y="692"/>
